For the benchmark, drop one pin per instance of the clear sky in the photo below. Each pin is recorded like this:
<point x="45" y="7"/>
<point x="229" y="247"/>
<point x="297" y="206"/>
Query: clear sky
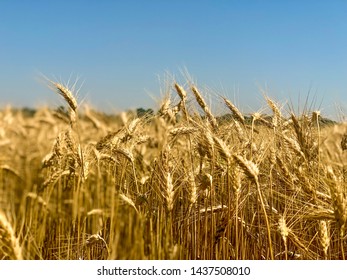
<point x="120" y="49"/>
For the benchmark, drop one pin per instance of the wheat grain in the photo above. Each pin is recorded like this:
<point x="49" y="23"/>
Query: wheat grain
<point x="169" y="195"/>
<point x="277" y="113"/>
<point x="129" y="201"/>
<point x="204" y="106"/>
<point x="339" y="202"/>
<point x="66" y="94"/>
<point x="222" y="148"/>
<point x="9" y="243"/>
<point x="249" y="167"/>
<point x="324" y="237"/>
<point x="184" y="130"/>
<point x="181" y="92"/>
<point x="235" y="111"/>
<point x="282" y="227"/>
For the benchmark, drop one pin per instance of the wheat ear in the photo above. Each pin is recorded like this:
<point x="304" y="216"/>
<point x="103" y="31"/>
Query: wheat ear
<point x="252" y="172"/>
<point x="204" y="106"/>
<point x="9" y="243"/>
<point x="169" y="194"/>
<point x="237" y="114"/>
<point x="68" y="96"/>
<point x="277" y="113"/>
<point x="324" y="237"/>
<point x="284" y="231"/>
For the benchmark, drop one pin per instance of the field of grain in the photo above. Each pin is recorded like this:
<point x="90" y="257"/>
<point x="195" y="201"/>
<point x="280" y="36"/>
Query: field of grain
<point x="179" y="183"/>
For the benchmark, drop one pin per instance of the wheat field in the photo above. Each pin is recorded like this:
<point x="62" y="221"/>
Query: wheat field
<point x="178" y="183"/>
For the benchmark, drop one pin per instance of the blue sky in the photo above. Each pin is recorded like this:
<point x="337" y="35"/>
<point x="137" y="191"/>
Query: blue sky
<point x="121" y="49"/>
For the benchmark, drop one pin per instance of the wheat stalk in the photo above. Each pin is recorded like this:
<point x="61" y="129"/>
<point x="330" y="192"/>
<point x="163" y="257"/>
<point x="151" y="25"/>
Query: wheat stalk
<point x="252" y="171"/>
<point x="339" y="202"/>
<point x="169" y="194"/>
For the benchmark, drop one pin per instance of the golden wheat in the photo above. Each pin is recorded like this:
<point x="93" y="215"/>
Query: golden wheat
<point x="9" y="243"/>
<point x="172" y="183"/>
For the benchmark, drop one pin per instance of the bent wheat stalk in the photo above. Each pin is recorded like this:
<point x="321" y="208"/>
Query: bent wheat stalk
<point x="204" y="106"/>
<point x="251" y="170"/>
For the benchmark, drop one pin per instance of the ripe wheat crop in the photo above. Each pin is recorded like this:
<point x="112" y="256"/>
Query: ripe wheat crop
<point x="179" y="183"/>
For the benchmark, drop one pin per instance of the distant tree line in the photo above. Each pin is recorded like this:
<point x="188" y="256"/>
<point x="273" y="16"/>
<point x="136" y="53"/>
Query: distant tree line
<point x="142" y="112"/>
